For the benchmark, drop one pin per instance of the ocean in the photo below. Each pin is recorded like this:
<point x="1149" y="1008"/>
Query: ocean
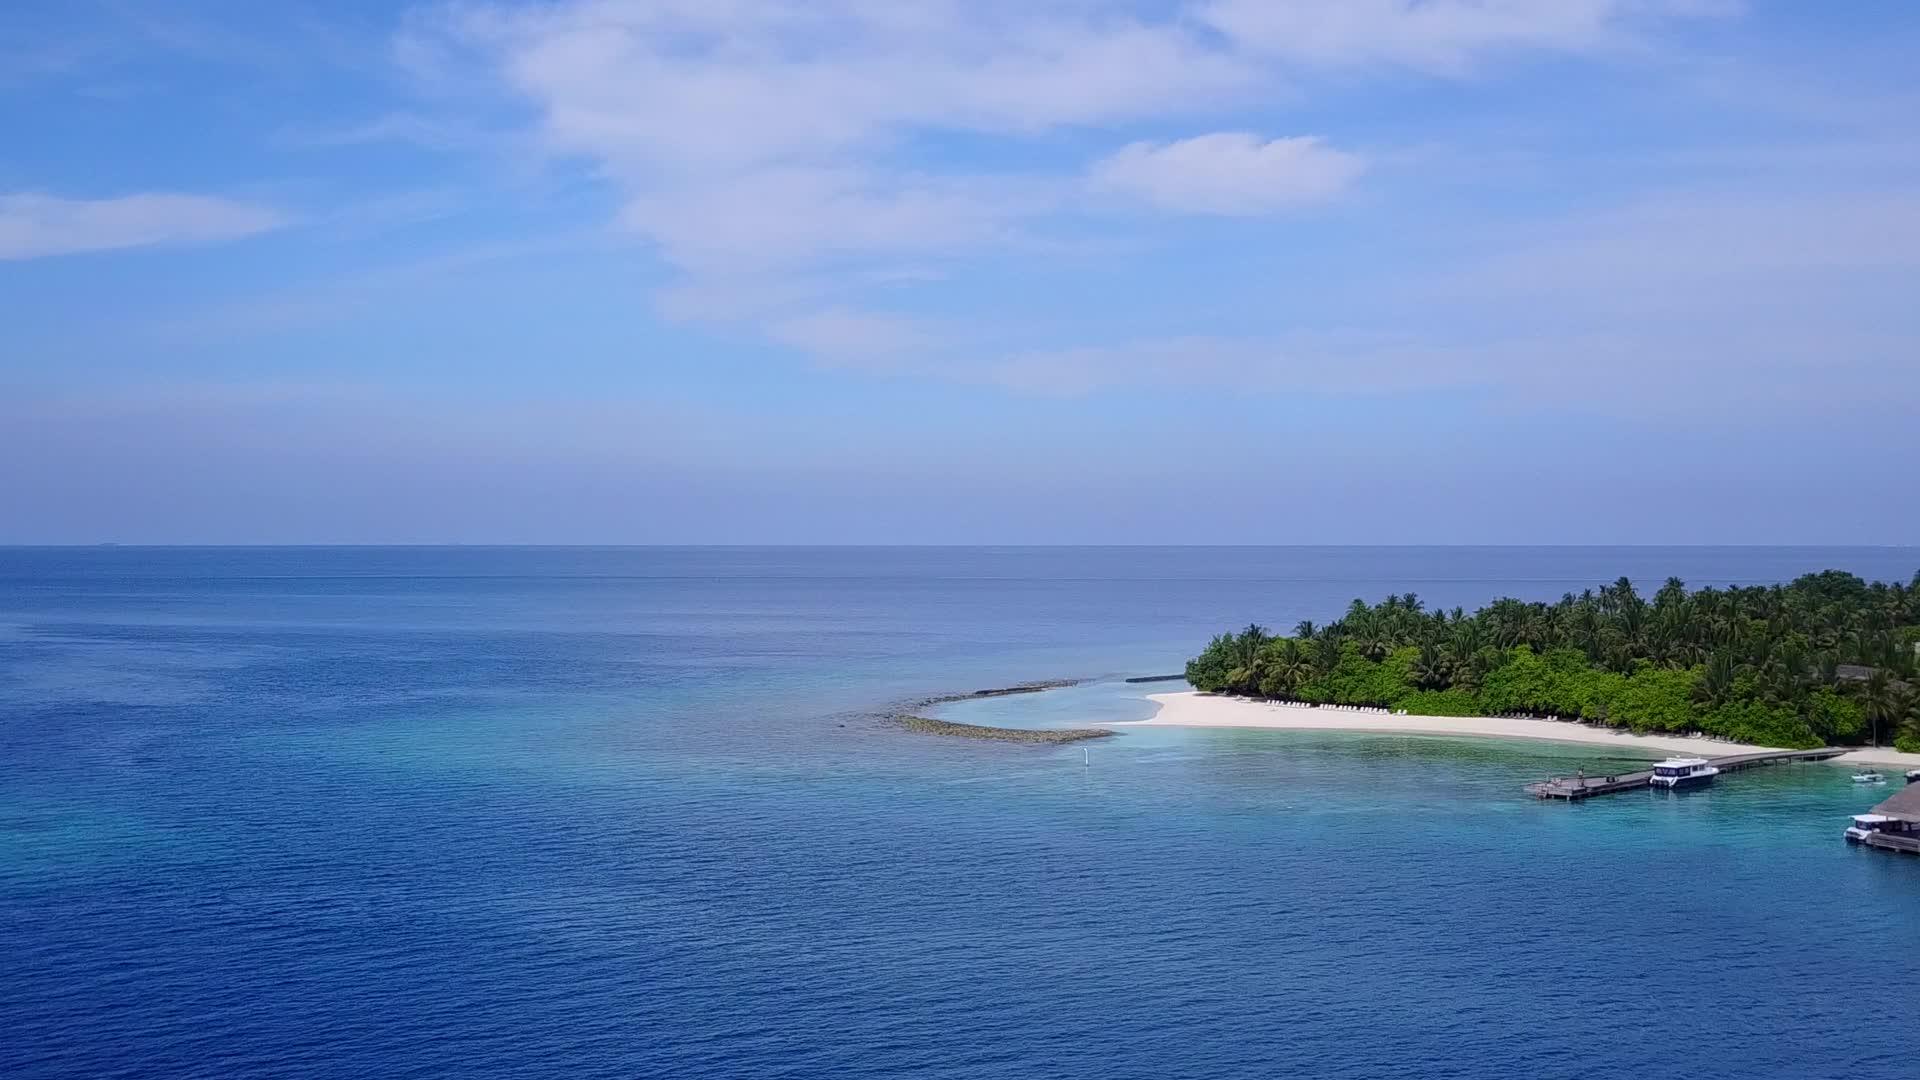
<point x="628" y="812"/>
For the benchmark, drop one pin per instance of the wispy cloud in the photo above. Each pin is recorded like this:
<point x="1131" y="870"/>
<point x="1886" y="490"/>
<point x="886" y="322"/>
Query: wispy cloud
<point x="1760" y="371"/>
<point x="845" y="338"/>
<point x="757" y="132"/>
<point x="1231" y="173"/>
<point x="377" y="287"/>
<point x="754" y="137"/>
<point x="429" y="132"/>
<point x="1690" y="247"/>
<point x="758" y="81"/>
<point x="791" y="216"/>
<point x="35" y="226"/>
<point x="1442" y="36"/>
<point x="1763" y="306"/>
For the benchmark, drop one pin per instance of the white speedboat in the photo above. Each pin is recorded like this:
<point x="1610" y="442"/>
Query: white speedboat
<point x="1865" y="825"/>
<point x="1683" y="772"/>
<point x="1913" y="776"/>
<point x="1868" y="778"/>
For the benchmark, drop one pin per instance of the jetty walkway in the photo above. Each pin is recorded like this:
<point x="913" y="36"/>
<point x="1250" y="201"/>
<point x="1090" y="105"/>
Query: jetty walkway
<point x="1574" y="789"/>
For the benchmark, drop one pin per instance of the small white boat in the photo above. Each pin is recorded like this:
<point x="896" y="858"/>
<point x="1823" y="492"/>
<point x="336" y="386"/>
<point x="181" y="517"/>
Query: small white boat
<point x="1682" y="772"/>
<point x="1868" y="778"/>
<point x="1913" y="776"/>
<point x="1865" y="825"/>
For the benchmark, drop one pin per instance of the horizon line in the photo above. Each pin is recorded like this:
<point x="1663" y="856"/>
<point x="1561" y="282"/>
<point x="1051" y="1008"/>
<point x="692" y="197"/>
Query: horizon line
<point x="490" y="545"/>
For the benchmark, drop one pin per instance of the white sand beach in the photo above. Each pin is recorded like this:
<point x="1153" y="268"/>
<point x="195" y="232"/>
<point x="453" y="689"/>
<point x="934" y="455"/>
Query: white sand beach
<point x="1193" y="709"/>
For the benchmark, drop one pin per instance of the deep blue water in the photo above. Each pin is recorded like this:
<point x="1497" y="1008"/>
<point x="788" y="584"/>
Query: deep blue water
<point x="624" y="813"/>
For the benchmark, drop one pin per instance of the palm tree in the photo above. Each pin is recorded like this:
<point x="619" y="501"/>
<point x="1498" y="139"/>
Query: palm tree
<point x="1248" y="659"/>
<point x="1586" y="631"/>
<point x="1430" y="669"/>
<point x="1620" y="657"/>
<point x="1910" y="726"/>
<point x="1286" y="668"/>
<point x="1535" y="630"/>
<point x="1781" y="670"/>
<point x="1671" y="595"/>
<point x="1466" y="641"/>
<point x="1858" y="645"/>
<point x="1374" y="643"/>
<point x="1715" y="684"/>
<point x="1687" y="652"/>
<point x="1771" y="644"/>
<point x="1326" y="653"/>
<point x="1632" y="622"/>
<point x="1619" y="595"/>
<point x="1661" y="646"/>
<point x="1827" y="666"/>
<point x="1503" y="619"/>
<point x="1470" y="670"/>
<point x="1883" y="702"/>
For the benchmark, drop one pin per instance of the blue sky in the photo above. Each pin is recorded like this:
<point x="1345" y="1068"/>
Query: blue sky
<point x="1090" y="271"/>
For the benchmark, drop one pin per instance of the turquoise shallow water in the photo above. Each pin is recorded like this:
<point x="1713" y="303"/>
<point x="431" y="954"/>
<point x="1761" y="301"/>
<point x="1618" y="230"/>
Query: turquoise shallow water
<point x="487" y="812"/>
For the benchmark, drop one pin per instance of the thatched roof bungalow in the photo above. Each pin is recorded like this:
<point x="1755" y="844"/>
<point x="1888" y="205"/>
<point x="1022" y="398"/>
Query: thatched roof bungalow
<point x="1904" y="805"/>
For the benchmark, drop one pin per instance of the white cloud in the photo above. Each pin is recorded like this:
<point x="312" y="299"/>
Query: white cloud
<point x="1293" y="363"/>
<point x="34" y="226"/>
<point x="753" y="133"/>
<point x="651" y="87"/>
<point x="1761" y="305"/>
<point x="1434" y="35"/>
<point x="1679" y="248"/>
<point x="788" y="156"/>
<point x="743" y="134"/>
<point x="1228" y="173"/>
<point x="778" y="293"/>
<point x="783" y="216"/>
<point x="1779" y="367"/>
<point x="844" y="338"/>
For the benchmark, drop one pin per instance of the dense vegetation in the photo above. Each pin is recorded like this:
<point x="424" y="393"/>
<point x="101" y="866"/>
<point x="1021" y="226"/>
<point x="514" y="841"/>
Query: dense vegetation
<point x="1828" y="659"/>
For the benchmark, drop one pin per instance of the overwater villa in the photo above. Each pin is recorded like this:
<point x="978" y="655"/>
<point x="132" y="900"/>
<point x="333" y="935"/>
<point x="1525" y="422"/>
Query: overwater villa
<point x="1894" y="825"/>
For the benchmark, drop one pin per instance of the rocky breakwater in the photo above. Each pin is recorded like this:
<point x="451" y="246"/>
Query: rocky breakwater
<point x="908" y="717"/>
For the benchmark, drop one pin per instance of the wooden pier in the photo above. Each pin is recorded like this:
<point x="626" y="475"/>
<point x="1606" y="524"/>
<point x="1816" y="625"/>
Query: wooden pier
<point x="1893" y="842"/>
<point x="1573" y="789"/>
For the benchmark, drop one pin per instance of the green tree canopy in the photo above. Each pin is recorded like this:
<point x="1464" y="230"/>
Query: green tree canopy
<point x="1827" y="658"/>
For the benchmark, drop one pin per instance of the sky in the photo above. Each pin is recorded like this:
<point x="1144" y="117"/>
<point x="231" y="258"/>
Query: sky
<point x="940" y="271"/>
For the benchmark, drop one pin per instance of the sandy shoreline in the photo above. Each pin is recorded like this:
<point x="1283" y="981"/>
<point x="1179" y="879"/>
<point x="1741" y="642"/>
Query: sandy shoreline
<point x="1193" y="709"/>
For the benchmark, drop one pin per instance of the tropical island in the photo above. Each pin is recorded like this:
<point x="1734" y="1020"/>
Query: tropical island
<point x="1826" y="660"/>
